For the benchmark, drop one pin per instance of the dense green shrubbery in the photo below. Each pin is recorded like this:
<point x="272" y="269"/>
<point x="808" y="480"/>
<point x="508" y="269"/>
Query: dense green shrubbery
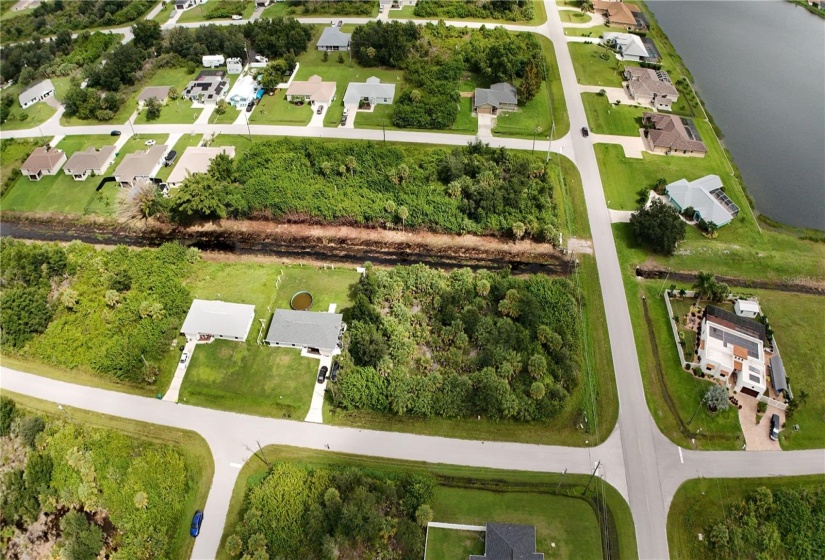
<point x="429" y="344"/>
<point x="297" y="512"/>
<point x="121" y="335"/>
<point x="784" y="523"/>
<point x="511" y="10"/>
<point x="384" y="44"/>
<point x="224" y="9"/>
<point x="140" y="486"/>
<point x="337" y="7"/>
<point x="474" y="188"/>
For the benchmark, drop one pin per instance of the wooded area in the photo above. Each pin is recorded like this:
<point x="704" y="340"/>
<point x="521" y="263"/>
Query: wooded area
<point x="514" y="10"/>
<point x="464" y="344"/>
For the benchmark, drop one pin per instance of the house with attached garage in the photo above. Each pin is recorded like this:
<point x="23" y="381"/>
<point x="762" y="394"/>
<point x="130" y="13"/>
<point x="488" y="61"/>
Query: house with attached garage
<point x="209" y="319"/>
<point x="314" y="91"/>
<point x="317" y="333"/>
<point x="43" y="161"/>
<point x="36" y="93"/>
<point x="90" y="162"/>
<point x="372" y="92"/>
<point x="629" y="46"/>
<point x="706" y="197"/>
<point x="619" y="14"/>
<point x="333" y="39"/>
<point x="161" y="93"/>
<point x="495" y="99"/>
<point x="652" y="87"/>
<point x="671" y="135"/>
<point x="140" y="166"/>
<point x="196" y="159"/>
<point x="181" y="5"/>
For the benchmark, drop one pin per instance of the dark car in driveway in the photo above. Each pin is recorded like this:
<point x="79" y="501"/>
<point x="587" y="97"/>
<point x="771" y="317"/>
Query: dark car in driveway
<point x="322" y="374"/>
<point x="115" y="133"/>
<point x="197" y="519"/>
<point x="333" y="374"/>
<point x="775" y="427"/>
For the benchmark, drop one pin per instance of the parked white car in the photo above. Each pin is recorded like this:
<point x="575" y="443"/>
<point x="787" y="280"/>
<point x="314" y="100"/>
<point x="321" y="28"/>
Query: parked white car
<point x="184" y="358"/>
<point x="149" y="143"/>
<point x="260" y="58"/>
<point x="237" y="17"/>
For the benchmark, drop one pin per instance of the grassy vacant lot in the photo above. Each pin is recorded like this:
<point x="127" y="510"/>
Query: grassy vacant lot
<point x="592" y="69"/>
<point x="20" y="118"/>
<point x="60" y="193"/>
<point x="570" y="16"/>
<point x="180" y="146"/>
<point x="241" y="143"/>
<point x="465" y="123"/>
<point x="275" y="109"/>
<point x="179" y="111"/>
<point x="449" y="544"/>
<point x="199" y="12"/>
<point x="595" y="32"/>
<point x="606" y="118"/>
<point x="199" y="464"/>
<point x="565" y="519"/>
<point x="700" y="502"/>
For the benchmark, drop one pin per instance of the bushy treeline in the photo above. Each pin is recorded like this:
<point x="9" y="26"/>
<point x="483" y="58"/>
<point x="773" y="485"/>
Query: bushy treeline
<point x="51" y="16"/>
<point x="784" y="523"/>
<point x="38" y="59"/>
<point x="113" y="312"/>
<point x="318" y="512"/>
<point x="336" y="7"/>
<point x="511" y="10"/>
<point x="475" y="188"/>
<point x="425" y="343"/>
<point x="65" y="468"/>
<point x="384" y="44"/>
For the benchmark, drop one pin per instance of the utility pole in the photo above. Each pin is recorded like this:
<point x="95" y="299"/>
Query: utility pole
<point x="561" y="480"/>
<point x="60" y="406"/>
<point x="383" y="130"/>
<point x="249" y="130"/>
<point x="263" y="457"/>
<point x="598" y="464"/>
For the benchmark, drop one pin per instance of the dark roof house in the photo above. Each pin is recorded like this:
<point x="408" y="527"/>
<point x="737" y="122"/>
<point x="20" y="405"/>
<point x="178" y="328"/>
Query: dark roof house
<point x="504" y="541"/>
<point x="498" y="97"/>
<point x="332" y="39"/>
<point x="305" y="329"/>
<point x="672" y="134"/>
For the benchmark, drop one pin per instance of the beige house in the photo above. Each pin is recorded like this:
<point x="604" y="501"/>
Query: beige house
<point x="314" y="90"/>
<point x="90" y="162"/>
<point x="619" y="14"/>
<point x="652" y="87"/>
<point x="158" y="92"/>
<point x="43" y="161"/>
<point x="140" y="166"/>
<point x="671" y="135"/>
<point x="196" y="159"/>
<point x="497" y="98"/>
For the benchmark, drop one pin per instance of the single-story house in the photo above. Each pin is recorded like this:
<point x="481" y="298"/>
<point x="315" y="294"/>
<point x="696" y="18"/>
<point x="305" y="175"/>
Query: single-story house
<point x="158" y="92"/>
<point x="779" y="379"/>
<point x="218" y="319"/>
<point x="320" y="333"/>
<point x="37" y="92"/>
<point x="196" y="159"/>
<point x="672" y="135"/>
<point x="313" y="90"/>
<point x="505" y="541"/>
<point x="332" y="39"/>
<point x="243" y="92"/>
<point x="747" y="308"/>
<point x="89" y="162"/>
<point x="213" y="60"/>
<point x="263" y="3"/>
<point x="622" y="15"/>
<point x="650" y="86"/>
<point x="43" y="161"/>
<point x="182" y="5"/>
<point x="208" y="87"/>
<point x="733" y="347"/>
<point x="628" y="45"/>
<point x="371" y="91"/>
<point x="140" y="166"/>
<point x="498" y="97"/>
<point x="706" y="197"/>
<point x="234" y="65"/>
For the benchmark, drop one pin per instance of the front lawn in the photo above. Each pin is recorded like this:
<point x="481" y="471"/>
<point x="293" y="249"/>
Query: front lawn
<point x="179" y="111"/>
<point x="595" y="32"/>
<point x="475" y="496"/>
<point x="591" y="66"/>
<point x="570" y="16"/>
<point x="534" y="116"/>
<point x="605" y="118"/>
<point x="229" y="116"/>
<point x="20" y="118"/>
<point x="275" y="109"/>
<point x="449" y="544"/>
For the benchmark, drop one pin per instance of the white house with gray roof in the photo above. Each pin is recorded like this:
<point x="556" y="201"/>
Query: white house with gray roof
<point x="319" y="333"/>
<point x="496" y="98"/>
<point x="372" y="91"/>
<point x="628" y="45"/>
<point x="36" y="93"/>
<point x="706" y="197"/>
<point x="332" y="39"/>
<point x="218" y="319"/>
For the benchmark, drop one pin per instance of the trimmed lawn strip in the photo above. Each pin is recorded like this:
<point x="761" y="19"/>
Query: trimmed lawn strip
<point x="570" y="16"/>
<point x="699" y="503"/>
<point x="606" y="118"/>
<point x="505" y="486"/>
<point x="200" y="466"/>
<point x="179" y="111"/>
<point x="449" y="544"/>
<point x="596" y="31"/>
<point x="591" y="69"/>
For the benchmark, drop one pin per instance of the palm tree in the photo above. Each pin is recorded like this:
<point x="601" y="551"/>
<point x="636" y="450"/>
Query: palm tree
<point x="586" y="6"/>
<point x="403" y="213"/>
<point x="704" y="285"/>
<point x="519" y="230"/>
<point x="352" y="164"/>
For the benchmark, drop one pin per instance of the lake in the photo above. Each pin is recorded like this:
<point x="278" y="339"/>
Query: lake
<point x="760" y="68"/>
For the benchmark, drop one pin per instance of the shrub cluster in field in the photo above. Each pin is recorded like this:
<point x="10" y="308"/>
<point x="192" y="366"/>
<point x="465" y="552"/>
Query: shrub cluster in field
<point x="518" y="10"/>
<point x="300" y="512"/>
<point x="337" y="7"/>
<point x="425" y="343"/>
<point x="784" y="523"/>
<point x="86" y="477"/>
<point x="113" y="312"/>
<point x="474" y="189"/>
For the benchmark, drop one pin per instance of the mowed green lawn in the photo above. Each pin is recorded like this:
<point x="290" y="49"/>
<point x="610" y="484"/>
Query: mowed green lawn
<point x="20" y="118"/>
<point x="449" y="544"/>
<point x="179" y="111"/>
<point x="326" y="286"/>
<point x="275" y="109"/>
<point x="574" y="16"/>
<point x="591" y="69"/>
<point x="605" y="118"/>
<point x="700" y="503"/>
<point x="199" y="12"/>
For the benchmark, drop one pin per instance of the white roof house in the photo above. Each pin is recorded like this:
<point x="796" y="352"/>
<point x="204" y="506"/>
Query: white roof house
<point x="242" y="92"/>
<point x="196" y="160"/>
<point x="316" y="331"/>
<point x="35" y="93"/>
<point x="630" y="46"/>
<point x="706" y="197"/>
<point x="372" y="91"/>
<point x="747" y="308"/>
<point x="218" y="319"/>
<point x="234" y="66"/>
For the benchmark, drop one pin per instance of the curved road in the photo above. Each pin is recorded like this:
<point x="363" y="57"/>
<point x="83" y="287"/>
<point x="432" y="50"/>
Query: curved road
<point x="636" y="459"/>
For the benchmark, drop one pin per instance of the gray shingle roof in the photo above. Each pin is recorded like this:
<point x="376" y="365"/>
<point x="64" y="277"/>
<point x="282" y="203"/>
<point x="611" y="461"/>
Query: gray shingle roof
<point x="496" y="95"/>
<point x="219" y="318"/>
<point x="308" y="329"/>
<point x="372" y="88"/>
<point x="333" y="37"/>
<point x="504" y="541"/>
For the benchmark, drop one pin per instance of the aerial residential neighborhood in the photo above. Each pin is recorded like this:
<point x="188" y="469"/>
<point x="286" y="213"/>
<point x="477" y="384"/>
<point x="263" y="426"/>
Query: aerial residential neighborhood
<point x="411" y="279"/>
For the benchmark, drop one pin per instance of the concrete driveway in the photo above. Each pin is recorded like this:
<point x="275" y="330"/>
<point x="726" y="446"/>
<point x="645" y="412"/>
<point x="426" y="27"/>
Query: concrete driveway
<point x="757" y="435"/>
<point x="633" y="146"/>
<point x="174" y="388"/>
<point x="318" y="119"/>
<point x="485" y="125"/>
<point x="316" y="409"/>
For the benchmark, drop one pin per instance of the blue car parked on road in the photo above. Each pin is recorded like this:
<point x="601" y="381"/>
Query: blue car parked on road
<point x="195" y="530"/>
